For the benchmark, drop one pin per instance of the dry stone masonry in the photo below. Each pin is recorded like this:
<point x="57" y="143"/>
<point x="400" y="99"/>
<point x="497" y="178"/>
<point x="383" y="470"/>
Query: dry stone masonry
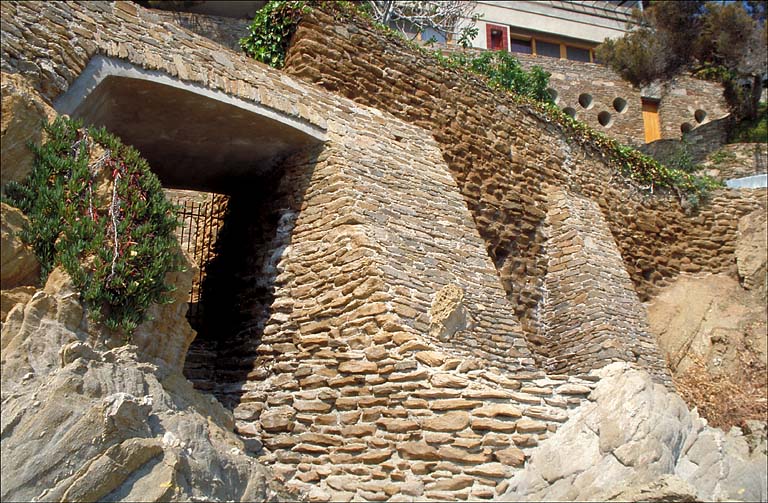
<point x="503" y="156"/>
<point x="418" y="300"/>
<point x="596" y="95"/>
<point x="590" y="309"/>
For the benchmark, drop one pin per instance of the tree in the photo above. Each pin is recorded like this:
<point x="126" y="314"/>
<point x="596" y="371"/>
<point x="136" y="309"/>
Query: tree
<point x="414" y="17"/>
<point x="722" y="41"/>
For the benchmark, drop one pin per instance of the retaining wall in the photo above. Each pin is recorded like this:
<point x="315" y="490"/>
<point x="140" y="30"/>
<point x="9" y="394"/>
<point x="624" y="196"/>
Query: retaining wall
<point x="504" y="156"/>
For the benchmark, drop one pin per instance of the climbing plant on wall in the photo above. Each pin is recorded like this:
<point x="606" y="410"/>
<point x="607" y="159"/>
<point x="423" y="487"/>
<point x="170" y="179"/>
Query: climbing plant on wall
<point x="271" y="30"/>
<point x="96" y="209"/>
<point x="503" y="71"/>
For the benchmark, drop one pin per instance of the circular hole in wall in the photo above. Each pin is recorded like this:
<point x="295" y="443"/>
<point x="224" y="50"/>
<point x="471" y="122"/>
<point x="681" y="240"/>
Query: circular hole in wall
<point x="553" y="94"/>
<point x="620" y="105"/>
<point x="700" y="116"/>
<point x="570" y="111"/>
<point x="585" y="100"/>
<point x="605" y="119"/>
<point x="686" y="127"/>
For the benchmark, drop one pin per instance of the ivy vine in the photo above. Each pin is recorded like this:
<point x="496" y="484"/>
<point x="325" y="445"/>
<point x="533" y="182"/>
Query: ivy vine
<point x="271" y="30"/>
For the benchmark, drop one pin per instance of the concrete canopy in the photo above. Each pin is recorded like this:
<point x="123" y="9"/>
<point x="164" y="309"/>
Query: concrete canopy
<point x="192" y="137"/>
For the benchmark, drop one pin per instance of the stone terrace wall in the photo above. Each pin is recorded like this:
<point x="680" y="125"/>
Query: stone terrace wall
<point x="390" y="361"/>
<point x="698" y="143"/>
<point x="679" y="99"/>
<point x="738" y="160"/>
<point x="503" y="156"/>
<point x="350" y="388"/>
<point x="603" y="90"/>
<point x="223" y="30"/>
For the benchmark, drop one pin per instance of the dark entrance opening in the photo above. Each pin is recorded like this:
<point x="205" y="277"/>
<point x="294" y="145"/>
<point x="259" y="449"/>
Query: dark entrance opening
<point x="223" y="164"/>
<point x="237" y="292"/>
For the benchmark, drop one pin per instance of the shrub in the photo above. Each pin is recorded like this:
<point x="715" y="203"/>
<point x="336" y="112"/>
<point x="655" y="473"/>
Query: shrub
<point x="271" y="30"/>
<point x="96" y="209"/>
<point x="504" y="71"/>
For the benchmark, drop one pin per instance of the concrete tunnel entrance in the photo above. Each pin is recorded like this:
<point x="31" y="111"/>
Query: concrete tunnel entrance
<point x="220" y="158"/>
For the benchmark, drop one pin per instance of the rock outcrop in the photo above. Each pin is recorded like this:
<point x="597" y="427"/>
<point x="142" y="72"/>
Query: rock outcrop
<point x="711" y="329"/>
<point x="17" y="260"/>
<point x="751" y="247"/>
<point x="85" y="422"/>
<point x="24" y="112"/>
<point x="637" y="440"/>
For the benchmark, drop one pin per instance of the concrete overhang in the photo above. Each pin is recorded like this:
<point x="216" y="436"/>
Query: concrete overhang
<point x="193" y="137"/>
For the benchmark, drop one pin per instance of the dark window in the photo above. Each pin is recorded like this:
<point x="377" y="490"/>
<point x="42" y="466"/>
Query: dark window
<point x="521" y="46"/>
<point x="496" y="40"/>
<point x="577" y="54"/>
<point x="496" y="37"/>
<point x="547" y="49"/>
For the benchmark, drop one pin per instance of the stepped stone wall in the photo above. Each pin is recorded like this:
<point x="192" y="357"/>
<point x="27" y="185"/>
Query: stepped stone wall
<point x="503" y="156"/>
<point x="697" y="143"/>
<point x="226" y="31"/>
<point x="602" y="91"/>
<point x="394" y="351"/>
<point x="586" y="90"/>
<point x="738" y="160"/>
<point x="389" y="336"/>
<point x="590" y="309"/>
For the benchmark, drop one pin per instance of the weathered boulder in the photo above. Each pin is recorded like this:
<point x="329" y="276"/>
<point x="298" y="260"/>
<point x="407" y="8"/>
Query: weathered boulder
<point x="83" y="422"/>
<point x="710" y="318"/>
<point x="751" y="250"/>
<point x="448" y="314"/>
<point x="9" y="298"/>
<point x="18" y="264"/>
<point x="24" y="112"/>
<point x="632" y="434"/>
<point x="166" y="335"/>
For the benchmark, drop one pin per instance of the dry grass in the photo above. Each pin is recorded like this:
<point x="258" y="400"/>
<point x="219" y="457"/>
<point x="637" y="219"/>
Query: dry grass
<point x="725" y="400"/>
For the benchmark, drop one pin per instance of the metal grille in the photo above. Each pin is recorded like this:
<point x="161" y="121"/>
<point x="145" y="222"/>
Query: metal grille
<point x="201" y="222"/>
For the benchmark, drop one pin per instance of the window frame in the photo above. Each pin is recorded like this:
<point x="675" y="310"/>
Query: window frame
<point x="489" y="27"/>
<point x="563" y="46"/>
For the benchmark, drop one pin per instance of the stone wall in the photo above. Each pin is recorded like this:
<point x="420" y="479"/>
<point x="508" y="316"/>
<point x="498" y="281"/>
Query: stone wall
<point x="591" y="89"/>
<point x="586" y="90"/>
<point x="738" y="160"/>
<point x="697" y="143"/>
<point x="590" y="310"/>
<point x="386" y="342"/>
<point x="503" y="155"/>
<point x="384" y="358"/>
<point x="226" y="31"/>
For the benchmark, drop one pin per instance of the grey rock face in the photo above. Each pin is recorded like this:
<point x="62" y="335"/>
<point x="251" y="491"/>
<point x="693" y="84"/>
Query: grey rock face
<point x="82" y="422"/>
<point x="637" y="440"/>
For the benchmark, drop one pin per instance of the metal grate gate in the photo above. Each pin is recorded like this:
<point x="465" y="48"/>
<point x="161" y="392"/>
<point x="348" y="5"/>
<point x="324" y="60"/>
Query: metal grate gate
<point x="201" y="222"/>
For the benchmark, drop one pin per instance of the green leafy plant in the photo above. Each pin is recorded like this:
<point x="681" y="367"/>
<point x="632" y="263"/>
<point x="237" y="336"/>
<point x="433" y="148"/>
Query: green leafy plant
<point x="96" y="209"/>
<point x="271" y="30"/>
<point x="722" y="157"/>
<point x="682" y="159"/>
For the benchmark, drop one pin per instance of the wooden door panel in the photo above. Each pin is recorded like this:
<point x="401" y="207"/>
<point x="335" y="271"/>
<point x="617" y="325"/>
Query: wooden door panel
<point x="651" y="121"/>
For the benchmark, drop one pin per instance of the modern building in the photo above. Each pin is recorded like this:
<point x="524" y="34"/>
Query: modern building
<point x="556" y="29"/>
<point x="561" y="37"/>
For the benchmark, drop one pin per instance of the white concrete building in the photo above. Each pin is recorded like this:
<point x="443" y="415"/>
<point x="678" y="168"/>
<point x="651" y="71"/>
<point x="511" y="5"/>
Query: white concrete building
<point x="559" y="29"/>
